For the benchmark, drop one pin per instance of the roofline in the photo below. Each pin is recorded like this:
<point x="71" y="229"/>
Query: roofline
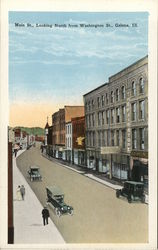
<point x="115" y="75"/>
<point x="129" y="66"/>
<point x="96" y="88"/>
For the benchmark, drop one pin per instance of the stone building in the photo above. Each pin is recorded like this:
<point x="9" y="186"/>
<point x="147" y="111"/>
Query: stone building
<point x="116" y="115"/>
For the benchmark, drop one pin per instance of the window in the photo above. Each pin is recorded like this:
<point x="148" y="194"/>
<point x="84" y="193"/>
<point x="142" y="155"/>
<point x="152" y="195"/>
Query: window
<point x="117" y="95"/>
<point x="106" y="96"/>
<point x="112" y="116"/>
<point x="112" y="96"/>
<point x="102" y="100"/>
<point x="123" y="113"/>
<point x="134" y="139"/>
<point x="107" y="116"/>
<point x="98" y="102"/>
<point x="93" y="138"/>
<point x="141" y="110"/>
<point x="117" y="138"/>
<point x="133" y="111"/>
<point x="99" y="138"/>
<point x="93" y="119"/>
<point x="99" y="122"/>
<point x="123" y="92"/>
<point x="141" y="85"/>
<point x="124" y="138"/>
<point x="117" y="115"/>
<point x="89" y="120"/>
<point x="108" y="138"/>
<point x="92" y="104"/>
<point x="141" y="134"/>
<point x="112" y="138"/>
<point x="103" y="138"/>
<point x="102" y="117"/>
<point x="133" y="88"/>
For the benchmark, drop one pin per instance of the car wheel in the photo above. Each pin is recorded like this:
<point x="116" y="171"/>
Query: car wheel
<point x="71" y="212"/>
<point x="129" y="199"/>
<point x="143" y="199"/>
<point x="118" y="193"/>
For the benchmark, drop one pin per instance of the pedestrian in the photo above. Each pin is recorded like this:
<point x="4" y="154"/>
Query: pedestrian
<point x="18" y="194"/>
<point x="45" y="215"/>
<point x="15" y="152"/>
<point x="22" y="190"/>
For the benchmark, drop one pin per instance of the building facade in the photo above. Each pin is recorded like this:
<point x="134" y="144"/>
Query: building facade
<point x="59" y="120"/>
<point x="116" y="115"/>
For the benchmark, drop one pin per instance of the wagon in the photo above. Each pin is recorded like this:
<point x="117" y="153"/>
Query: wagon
<point x="34" y="173"/>
<point x="55" y="198"/>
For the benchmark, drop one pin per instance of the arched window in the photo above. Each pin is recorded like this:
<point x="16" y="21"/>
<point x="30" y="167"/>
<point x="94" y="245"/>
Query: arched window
<point x="133" y="88"/>
<point x="123" y="92"/>
<point x="141" y="85"/>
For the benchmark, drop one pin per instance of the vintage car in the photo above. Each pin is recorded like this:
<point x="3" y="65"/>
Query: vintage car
<point x="55" y="198"/>
<point x="34" y="173"/>
<point x="133" y="191"/>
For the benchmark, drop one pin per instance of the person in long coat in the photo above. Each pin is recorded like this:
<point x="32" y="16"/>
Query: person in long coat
<point x="45" y="215"/>
<point x="22" y="190"/>
<point x="18" y="194"/>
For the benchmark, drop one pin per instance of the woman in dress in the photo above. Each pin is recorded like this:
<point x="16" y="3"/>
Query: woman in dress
<point x="18" y="194"/>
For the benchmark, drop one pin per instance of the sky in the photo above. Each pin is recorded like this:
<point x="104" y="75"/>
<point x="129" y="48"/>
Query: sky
<point x="54" y="61"/>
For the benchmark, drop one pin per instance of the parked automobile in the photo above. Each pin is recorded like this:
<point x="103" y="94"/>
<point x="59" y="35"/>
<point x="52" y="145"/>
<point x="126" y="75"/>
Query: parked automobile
<point x="133" y="191"/>
<point x="34" y="173"/>
<point x="55" y="197"/>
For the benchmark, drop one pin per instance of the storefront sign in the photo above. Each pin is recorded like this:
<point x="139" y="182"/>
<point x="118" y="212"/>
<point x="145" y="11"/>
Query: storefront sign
<point x="139" y="154"/>
<point x="110" y="150"/>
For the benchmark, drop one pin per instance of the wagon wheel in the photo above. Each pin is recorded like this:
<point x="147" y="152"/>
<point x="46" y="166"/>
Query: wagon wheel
<point x="118" y="193"/>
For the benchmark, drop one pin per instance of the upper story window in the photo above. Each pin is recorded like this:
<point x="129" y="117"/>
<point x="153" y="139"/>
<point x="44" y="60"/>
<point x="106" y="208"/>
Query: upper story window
<point x="117" y="138"/>
<point x="102" y="100"/>
<point x="92" y="104"/>
<point x="141" y="110"/>
<point x="124" y="138"/>
<point x="106" y="97"/>
<point x="112" y="116"/>
<point x="117" y="95"/>
<point x="112" y="96"/>
<point x="141" y="136"/>
<point x="98" y="101"/>
<point x="133" y="88"/>
<point x="107" y="116"/>
<point x="133" y="111"/>
<point x="123" y="113"/>
<point x="117" y="115"/>
<point x="123" y="92"/>
<point x="112" y="138"/>
<point x="141" y="85"/>
<point x="134" y="138"/>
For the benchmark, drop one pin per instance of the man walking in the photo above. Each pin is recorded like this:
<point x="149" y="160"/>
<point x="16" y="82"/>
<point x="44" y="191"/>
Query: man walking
<point x="22" y="190"/>
<point x="45" y="215"/>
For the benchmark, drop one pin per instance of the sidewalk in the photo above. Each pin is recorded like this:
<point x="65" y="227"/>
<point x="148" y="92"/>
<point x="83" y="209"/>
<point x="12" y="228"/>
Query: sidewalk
<point x="28" y="223"/>
<point x="87" y="173"/>
<point x="92" y="175"/>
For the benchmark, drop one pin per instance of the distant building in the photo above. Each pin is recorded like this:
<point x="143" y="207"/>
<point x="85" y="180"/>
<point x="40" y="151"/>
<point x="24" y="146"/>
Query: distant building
<point x="116" y="116"/>
<point x="59" y="121"/>
<point x="75" y="141"/>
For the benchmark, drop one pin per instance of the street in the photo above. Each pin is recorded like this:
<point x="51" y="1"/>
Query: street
<point x="99" y="217"/>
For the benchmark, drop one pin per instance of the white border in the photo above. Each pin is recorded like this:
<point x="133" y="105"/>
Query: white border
<point x="82" y="5"/>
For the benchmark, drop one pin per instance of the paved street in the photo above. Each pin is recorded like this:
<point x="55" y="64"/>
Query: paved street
<point x="99" y="217"/>
<point x="28" y="224"/>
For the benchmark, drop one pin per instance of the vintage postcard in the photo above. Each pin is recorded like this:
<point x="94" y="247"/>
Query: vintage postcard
<point x="78" y="125"/>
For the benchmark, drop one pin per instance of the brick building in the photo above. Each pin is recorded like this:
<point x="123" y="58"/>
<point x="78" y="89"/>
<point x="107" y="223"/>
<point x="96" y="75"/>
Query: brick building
<point x="59" y="120"/>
